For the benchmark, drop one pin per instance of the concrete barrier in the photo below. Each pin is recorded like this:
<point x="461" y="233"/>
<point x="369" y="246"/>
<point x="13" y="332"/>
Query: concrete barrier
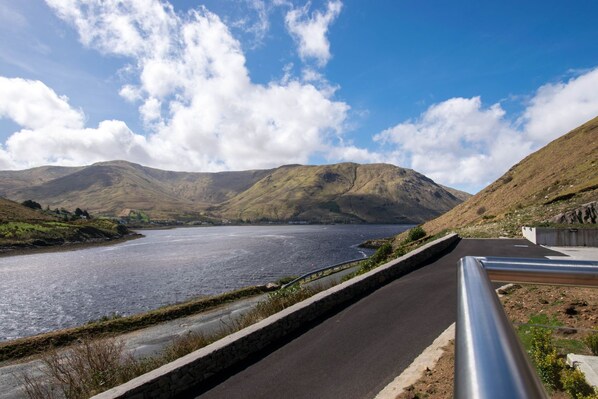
<point x="190" y="371"/>
<point x="555" y="237"/>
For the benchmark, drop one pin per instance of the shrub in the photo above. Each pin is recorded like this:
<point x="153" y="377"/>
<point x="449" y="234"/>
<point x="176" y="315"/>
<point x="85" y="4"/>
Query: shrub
<point x="574" y="383"/>
<point x="592" y="342"/>
<point x="83" y="371"/>
<point x="381" y="253"/>
<point x="378" y="257"/>
<point x="31" y="204"/>
<point x="544" y="356"/>
<point x="415" y="234"/>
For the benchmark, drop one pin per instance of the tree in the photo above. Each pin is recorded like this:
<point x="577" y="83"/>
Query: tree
<point x="31" y="204"/>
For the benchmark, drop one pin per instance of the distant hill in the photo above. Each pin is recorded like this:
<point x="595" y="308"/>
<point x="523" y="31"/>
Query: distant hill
<point x="559" y="177"/>
<point x="332" y="193"/>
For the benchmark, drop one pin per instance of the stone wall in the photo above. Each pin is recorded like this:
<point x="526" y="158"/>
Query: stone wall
<point x="191" y="370"/>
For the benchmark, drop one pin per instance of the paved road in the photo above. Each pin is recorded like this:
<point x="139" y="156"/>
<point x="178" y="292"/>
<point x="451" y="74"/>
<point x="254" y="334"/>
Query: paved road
<point x="358" y="351"/>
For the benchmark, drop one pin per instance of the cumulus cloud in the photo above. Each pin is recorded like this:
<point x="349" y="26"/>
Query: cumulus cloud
<point x="310" y="31"/>
<point x="33" y="105"/>
<point x="72" y="146"/>
<point x="457" y="142"/>
<point x="53" y="132"/>
<point x="557" y="108"/>
<point x="198" y="104"/>
<point x="461" y="142"/>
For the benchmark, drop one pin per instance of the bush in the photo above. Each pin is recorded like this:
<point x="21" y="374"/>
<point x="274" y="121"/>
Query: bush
<point x="415" y="234"/>
<point x="544" y="356"/>
<point x="592" y="342"/>
<point x="31" y="204"/>
<point x="377" y="258"/>
<point x="574" y="383"/>
<point x="83" y="371"/>
<point x="381" y="253"/>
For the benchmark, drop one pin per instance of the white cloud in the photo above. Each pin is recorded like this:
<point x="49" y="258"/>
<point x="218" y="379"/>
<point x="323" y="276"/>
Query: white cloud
<point x="125" y="28"/>
<point x="33" y="105"/>
<point x="560" y="107"/>
<point x="310" y="31"/>
<point x="352" y="153"/>
<point x="69" y="146"/>
<point x="187" y="73"/>
<point x="459" y="142"/>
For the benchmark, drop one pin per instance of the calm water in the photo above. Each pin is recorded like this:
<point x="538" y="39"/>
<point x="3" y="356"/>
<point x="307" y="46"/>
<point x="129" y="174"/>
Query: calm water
<point x="44" y="292"/>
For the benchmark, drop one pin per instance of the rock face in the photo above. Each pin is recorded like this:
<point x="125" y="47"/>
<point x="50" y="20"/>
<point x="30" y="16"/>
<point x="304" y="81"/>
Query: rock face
<point x="586" y="214"/>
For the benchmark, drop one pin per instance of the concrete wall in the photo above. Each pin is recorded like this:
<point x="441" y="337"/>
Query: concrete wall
<point x="561" y="237"/>
<point x="191" y="370"/>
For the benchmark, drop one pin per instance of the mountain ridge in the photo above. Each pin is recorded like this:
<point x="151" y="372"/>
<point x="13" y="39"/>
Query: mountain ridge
<point x="345" y="192"/>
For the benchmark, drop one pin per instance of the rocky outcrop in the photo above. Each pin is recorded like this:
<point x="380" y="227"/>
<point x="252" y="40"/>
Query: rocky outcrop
<point x="586" y="214"/>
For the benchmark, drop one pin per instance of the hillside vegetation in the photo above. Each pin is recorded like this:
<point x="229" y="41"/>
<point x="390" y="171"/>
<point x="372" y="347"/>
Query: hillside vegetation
<point x="24" y="228"/>
<point x="345" y="192"/>
<point x="560" y="177"/>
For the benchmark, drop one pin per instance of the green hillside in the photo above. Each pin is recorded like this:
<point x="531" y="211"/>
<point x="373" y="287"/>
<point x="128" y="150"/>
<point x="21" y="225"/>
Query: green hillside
<point x="376" y="193"/>
<point x="22" y="228"/>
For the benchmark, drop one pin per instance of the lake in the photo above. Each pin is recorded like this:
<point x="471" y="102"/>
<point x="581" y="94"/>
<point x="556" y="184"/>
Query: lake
<point x="44" y="292"/>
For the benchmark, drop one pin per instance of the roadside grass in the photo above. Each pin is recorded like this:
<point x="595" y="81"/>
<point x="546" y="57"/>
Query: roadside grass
<point x="110" y="325"/>
<point x="93" y="366"/>
<point x="394" y="248"/>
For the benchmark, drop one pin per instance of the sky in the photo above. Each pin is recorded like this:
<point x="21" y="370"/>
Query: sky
<point x="459" y="91"/>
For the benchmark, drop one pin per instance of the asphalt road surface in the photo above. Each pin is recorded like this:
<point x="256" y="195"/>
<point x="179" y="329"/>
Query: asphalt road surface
<point x="356" y="352"/>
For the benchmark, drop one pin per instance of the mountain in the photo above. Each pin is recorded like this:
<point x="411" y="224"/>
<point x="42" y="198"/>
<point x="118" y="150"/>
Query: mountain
<point x="344" y="192"/>
<point x="376" y="193"/>
<point x="559" y="177"/>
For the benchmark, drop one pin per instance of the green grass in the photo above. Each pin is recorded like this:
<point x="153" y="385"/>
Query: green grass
<point x="37" y="233"/>
<point x="525" y="331"/>
<point x="565" y="345"/>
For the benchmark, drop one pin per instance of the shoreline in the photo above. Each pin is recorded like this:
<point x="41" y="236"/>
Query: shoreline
<point x="64" y="247"/>
<point x="19" y="348"/>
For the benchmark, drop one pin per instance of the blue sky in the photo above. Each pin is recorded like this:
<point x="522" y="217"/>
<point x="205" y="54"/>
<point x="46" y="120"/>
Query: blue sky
<point x="459" y="91"/>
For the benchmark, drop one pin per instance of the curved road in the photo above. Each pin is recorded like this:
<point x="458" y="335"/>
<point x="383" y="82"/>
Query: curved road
<point x="356" y="352"/>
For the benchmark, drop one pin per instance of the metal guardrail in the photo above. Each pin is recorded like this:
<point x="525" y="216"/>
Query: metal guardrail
<point x="322" y="270"/>
<point x="489" y="359"/>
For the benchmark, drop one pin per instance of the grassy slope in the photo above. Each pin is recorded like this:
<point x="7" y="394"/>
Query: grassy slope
<point x="12" y="211"/>
<point x="341" y="192"/>
<point x="560" y="176"/>
<point x="22" y="227"/>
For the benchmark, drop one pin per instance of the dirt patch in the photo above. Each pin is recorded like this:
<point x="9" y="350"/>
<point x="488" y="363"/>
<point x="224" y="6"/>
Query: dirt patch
<point x="571" y="312"/>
